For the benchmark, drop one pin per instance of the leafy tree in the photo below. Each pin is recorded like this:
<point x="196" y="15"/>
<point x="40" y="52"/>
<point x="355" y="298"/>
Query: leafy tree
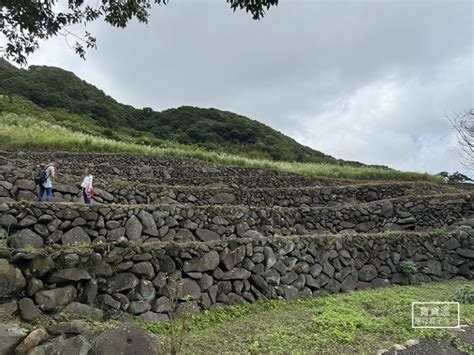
<point x="456" y="177"/>
<point x="25" y="22"/>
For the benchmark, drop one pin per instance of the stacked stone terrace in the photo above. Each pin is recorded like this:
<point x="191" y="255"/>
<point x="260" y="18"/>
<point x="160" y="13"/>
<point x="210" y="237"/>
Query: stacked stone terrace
<point x="222" y="235"/>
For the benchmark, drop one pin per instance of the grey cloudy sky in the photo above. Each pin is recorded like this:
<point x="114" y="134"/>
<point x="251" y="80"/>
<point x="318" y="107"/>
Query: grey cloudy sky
<point x="360" y="80"/>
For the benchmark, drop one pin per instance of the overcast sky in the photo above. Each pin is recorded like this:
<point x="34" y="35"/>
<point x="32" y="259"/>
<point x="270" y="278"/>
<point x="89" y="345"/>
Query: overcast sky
<point x="368" y="81"/>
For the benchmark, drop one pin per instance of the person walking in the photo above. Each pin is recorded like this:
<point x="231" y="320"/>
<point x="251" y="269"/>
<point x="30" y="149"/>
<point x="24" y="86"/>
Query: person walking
<point x="45" y="181"/>
<point x="87" y="189"/>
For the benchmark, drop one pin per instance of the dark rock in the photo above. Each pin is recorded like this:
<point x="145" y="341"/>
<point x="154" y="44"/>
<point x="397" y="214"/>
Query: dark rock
<point x="153" y="317"/>
<point x="75" y="326"/>
<point x="146" y="290"/>
<point x="167" y="264"/>
<point x="207" y="235"/>
<point x="288" y="292"/>
<point x="234" y="257"/>
<point x="148" y="223"/>
<point x="69" y="260"/>
<point x="263" y="286"/>
<point x="77" y="235"/>
<point x="139" y="307"/>
<point x="58" y="297"/>
<point x="28" y="221"/>
<point x="7" y="309"/>
<point x="40" y="267"/>
<point x="26" y="238"/>
<point x="400" y="279"/>
<point x="76" y="310"/>
<point x="11" y="279"/>
<point x="77" y="345"/>
<point x="364" y="227"/>
<point x="452" y="243"/>
<point x="24" y="184"/>
<point x="368" y="273"/>
<point x="68" y="275"/>
<point x="10" y="336"/>
<point x="433" y="267"/>
<point x="208" y="262"/>
<point x="7" y="220"/>
<point x="253" y="234"/>
<point x="162" y="304"/>
<point x="188" y="288"/>
<point x="328" y="269"/>
<point x="222" y="198"/>
<point x="133" y="228"/>
<point x="467" y="253"/>
<point x="29" y="311"/>
<point x="127" y="339"/>
<point x="349" y="283"/>
<point x="270" y="258"/>
<point x="121" y="282"/>
<point x="143" y="269"/>
<point x="104" y="195"/>
<point x="108" y="300"/>
<point x="236" y="274"/>
<point x="67" y="214"/>
<point x="315" y="270"/>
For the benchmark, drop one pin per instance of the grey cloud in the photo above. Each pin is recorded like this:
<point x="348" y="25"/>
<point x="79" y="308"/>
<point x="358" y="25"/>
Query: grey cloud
<point x="312" y="69"/>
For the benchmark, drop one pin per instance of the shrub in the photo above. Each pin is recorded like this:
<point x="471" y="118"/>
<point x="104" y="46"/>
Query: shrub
<point x="465" y="295"/>
<point x="408" y="267"/>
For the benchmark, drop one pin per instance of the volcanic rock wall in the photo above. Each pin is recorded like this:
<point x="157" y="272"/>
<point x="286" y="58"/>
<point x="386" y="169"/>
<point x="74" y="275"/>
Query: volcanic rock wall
<point x="143" y="280"/>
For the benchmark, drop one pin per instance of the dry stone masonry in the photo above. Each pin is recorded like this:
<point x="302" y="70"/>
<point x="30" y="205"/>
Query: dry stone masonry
<point x="17" y="184"/>
<point x="39" y="224"/>
<point x="168" y="236"/>
<point x="128" y="280"/>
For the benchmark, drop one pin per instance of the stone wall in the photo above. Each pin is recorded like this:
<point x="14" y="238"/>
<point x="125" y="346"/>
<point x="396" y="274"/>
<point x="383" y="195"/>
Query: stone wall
<point x="39" y="224"/>
<point x="139" y="280"/>
<point x="161" y="170"/>
<point x="17" y="184"/>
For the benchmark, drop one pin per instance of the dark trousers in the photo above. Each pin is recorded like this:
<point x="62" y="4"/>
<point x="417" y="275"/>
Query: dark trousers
<point x="84" y="195"/>
<point x="42" y="191"/>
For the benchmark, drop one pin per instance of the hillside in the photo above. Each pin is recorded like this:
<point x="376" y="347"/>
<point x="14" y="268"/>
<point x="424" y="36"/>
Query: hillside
<point x="211" y="129"/>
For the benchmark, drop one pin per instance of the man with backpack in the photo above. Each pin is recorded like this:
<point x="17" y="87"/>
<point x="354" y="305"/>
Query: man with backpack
<point x="45" y="181"/>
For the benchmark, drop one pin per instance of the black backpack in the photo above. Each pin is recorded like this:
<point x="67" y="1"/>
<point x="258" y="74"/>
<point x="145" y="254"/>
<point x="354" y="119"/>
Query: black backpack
<point x="41" y="178"/>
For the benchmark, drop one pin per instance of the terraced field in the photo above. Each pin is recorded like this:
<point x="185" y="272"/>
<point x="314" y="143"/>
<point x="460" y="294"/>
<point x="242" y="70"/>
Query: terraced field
<point x="168" y="236"/>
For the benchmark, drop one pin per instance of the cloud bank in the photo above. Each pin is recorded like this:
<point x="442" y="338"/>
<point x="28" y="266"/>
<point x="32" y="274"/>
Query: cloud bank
<point x="363" y="80"/>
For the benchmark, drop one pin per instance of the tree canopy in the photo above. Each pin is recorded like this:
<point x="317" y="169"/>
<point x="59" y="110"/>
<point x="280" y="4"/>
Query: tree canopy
<point x="24" y="22"/>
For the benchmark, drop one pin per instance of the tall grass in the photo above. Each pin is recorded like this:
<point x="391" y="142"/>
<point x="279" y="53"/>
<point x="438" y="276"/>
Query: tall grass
<point x="28" y="132"/>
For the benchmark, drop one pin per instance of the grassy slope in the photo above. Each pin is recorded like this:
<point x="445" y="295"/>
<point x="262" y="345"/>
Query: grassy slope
<point x="35" y="131"/>
<point x="211" y="129"/>
<point x="359" y="322"/>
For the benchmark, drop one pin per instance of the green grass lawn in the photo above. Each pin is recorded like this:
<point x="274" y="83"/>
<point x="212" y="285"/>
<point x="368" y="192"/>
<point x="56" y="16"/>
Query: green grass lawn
<point x="359" y="322"/>
<point x="31" y="132"/>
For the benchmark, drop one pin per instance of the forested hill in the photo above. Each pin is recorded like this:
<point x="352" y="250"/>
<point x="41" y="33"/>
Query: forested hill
<point x="212" y="129"/>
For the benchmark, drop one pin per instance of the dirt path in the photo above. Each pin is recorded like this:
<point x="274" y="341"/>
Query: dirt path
<point x="461" y="344"/>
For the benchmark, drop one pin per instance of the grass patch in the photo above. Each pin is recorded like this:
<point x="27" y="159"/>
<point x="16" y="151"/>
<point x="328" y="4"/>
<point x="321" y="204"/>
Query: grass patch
<point x="358" y="322"/>
<point x="29" y="132"/>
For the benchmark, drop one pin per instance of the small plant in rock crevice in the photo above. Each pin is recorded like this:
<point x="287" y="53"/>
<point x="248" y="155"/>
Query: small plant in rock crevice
<point x="180" y="317"/>
<point x="408" y="267"/>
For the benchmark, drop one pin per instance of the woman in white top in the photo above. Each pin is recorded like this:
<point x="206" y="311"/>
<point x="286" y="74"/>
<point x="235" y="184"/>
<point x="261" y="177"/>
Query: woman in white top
<point x="87" y="186"/>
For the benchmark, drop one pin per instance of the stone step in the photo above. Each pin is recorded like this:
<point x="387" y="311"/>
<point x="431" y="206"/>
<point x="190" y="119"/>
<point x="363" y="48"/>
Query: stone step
<point x="18" y="185"/>
<point x="151" y="281"/>
<point x="65" y="223"/>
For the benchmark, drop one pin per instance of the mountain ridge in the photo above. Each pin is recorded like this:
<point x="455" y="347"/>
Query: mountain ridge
<point x="209" y="128"/>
